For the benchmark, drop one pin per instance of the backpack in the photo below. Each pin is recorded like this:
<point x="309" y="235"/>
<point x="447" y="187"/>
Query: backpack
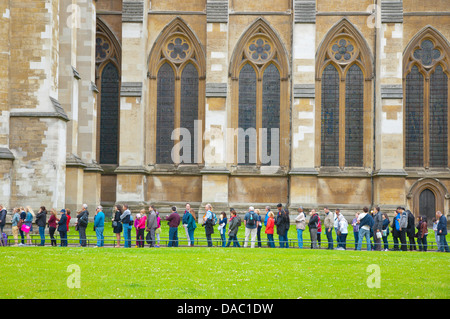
<point x="251" y="219"/>
<point x="213" y="218"/>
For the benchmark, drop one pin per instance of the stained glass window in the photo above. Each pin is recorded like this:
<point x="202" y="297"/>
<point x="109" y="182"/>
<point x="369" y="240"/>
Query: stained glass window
<point x="354" y="116"/>
<point x="330" y="117"/>
<point x="414" y="118"/>
<point x="270" y="110"/>
<point x="109" y="115"/>
<point x="438" y="118"/>
<point x="165" y="114"/>
<point x="247" y="116"/>
<point x="189" y="104"/>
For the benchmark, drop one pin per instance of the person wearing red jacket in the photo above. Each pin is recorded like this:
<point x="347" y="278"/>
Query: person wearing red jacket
<point x="269" y="230"/>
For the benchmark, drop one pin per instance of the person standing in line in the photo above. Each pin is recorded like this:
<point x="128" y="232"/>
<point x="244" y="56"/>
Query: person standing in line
<point x="396" y="228"/>
<point x="152" y="225"/>
<point x="117" y="224"/>
<point x="23" y="215"/>
<point x="259" y="227"/>
<point x="68" y="219"/>
<point x="3" y="214"/>
<point x="99" y="225"/>
<point x="136" y="227"/>
<point x="312" y="224"/>
<point x="341" y="230"/>
<point x="356" y="229"/>
<point x="269" y="230"/>
<point x="328" y="223"/>
<point x="141" y="229"/>
<point x="29" y="222"/>
<point x="435" y="230"/>
<point x="266" y="217"/>
<point x="365" y="221"/>
<point x="82" y="223"/>
<point x="125" y="219"/>
<point x="251" y="224"/>
<point x="41" y="221"/>
<point x="422" y="233"/>
<point x="191" y="226"/>
<point x="158" y="229"/>
<point x="223" y="228"/>
<point x="442" y="232"/>
<point x="300" y="225"/>
<point x="173" y="222"/>
<point x="288" y="225"/>
<point x="410" y="230"/>
<point x="385" y="231"/>
<point x="63" y="228"/>
<point x="377" y="228"/>
<point x="208" y="223"/>
<point x="14" y="225"/>
<point x="282" y="224"/>
<point x="185" y="222"/>
<point x="52" y="226"/>
<point x="403" y="227"/>
<point x="235" y="222"/>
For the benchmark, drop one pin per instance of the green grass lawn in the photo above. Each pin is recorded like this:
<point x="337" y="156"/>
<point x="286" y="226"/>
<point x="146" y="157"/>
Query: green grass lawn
<point x="200" y="272"/>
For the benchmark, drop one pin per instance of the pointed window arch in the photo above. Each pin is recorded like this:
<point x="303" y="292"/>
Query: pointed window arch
<point x="344" y="74"/>
<point x="107" y="58"/>
<point x="259" y="71"/>
<point x="426" y="85"/>
<point x="177" y="73"/>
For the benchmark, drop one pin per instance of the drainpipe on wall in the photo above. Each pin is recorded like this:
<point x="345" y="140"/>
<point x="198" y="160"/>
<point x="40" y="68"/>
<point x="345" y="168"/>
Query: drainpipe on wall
<point x="377" y="19"/>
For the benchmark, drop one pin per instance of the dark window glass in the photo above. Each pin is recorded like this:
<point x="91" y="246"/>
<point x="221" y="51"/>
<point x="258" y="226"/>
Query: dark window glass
<point x="414" y="118"/>
<point x="189" y="104"/>
<point x="109" y="115"/>
<point x="354" y="114"/>
<point x="330" y="117"/>
<point x="247" y="115"/>
<point x="165" y="114"/>
<point x="270" y="110"/>
<point x="438" y="118"/>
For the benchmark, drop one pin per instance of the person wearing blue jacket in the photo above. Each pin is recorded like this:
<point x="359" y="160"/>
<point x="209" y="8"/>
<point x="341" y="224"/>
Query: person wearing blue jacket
<point x="99" y="225"/>
<point x="442" y="232"/>
<point x="62" y="228"/>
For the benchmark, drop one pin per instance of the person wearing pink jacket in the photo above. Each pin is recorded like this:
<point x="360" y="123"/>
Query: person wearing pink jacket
<point x="139" y="224"/>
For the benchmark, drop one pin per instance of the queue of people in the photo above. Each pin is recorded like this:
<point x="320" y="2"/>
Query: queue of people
<point x="373" y="227"/>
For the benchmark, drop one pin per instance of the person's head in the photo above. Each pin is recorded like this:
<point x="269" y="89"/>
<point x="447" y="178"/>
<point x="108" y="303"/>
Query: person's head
<point x="28" y="209"/>
<point x="1" y="206"/>
<point x="223" y="214"/>
<point x="257" y="211"/>
<point x="99" y="208"/>
<point x="150" y="208"/>
<point x="42" y="209"/>
<point x="267" y="208"/>
<point x="125" y="206"/>
<point x="188" y="206"/>
<point x="53" y="211"/>
<point x="377" y="209"/>
<point x="119" y="207"/>
<point x="399" y="209"/>
<point x="233" y="213"/>
<point x="138" y="216"/>
<point x="271" y="215"/>
<point x="192" y="212"/>
<point x="438" y="214"/>
<point x="85" y="206"/>
<point x="356" y="214"/>
<point x="384" y="216"/>
<point x="63" y="211"/>
<point x="338" y="211"/>
<point x="208" y="207"/>
<point x="365" y="209"/>
<point x="280" y="207"/>
<point x="300" y="209"/>
<point x="174" y="208"/>
<point x="326" y="210"/>
<point x="142" y="212"/>
<point x="67" y="211"/>
<point x="312" y="212"/>
<point x="251" y="209"/>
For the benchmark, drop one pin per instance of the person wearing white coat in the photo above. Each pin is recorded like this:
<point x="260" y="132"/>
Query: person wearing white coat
<point x="341" y="229"/>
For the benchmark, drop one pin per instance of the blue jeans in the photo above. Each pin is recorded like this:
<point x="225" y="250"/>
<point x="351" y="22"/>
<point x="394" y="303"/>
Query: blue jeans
<point x="300" y="238"/>
<point x="271" y="241"/>
<point x="329" y="238"/>
<point x="173" y="237"/>
<point x="233" y="239"/>
<point x="191" y="236"/>
<point x="283" y="241"/>
<point x="100" y="237"/>
<point x="224" y="240"/>
<point x="42" y="234"/>
<point x="364" y="233"/>
<point x="127" y="236"/>
<point x="443" y="246"/>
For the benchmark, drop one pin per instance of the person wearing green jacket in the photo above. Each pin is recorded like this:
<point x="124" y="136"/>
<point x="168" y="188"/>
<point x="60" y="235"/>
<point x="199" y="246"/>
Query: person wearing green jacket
<point x="191" y="225"/>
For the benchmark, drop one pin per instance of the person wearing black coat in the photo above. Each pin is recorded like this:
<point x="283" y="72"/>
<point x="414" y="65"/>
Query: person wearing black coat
<point x="312" y="224"/>
<point x="62" y="228"/>
<point x="41" y="221"/>
<point x="209" y="230"/>
<point x="282" y="223"/>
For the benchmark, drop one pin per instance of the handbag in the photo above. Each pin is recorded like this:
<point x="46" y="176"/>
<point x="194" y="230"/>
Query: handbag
<point x="114" y="223"/>
<point x="25" y="228"/>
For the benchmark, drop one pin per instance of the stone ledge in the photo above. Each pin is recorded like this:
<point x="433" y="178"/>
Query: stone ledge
<point x="6" y="154"/>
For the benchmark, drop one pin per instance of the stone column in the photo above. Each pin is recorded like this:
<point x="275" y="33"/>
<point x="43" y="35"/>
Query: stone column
<point x="131" y="173"/>
<point x="389" y="181"/>
<point x="303" y="180"/>
<point x="215" y="173"/>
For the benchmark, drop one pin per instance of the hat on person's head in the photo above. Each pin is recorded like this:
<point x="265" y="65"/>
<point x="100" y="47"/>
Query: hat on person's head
<point x="63" y="210"/>
<point x="280" y="205"/>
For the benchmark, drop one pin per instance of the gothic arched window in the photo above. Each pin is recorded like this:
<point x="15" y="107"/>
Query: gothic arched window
<point x="426" y="88"/>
